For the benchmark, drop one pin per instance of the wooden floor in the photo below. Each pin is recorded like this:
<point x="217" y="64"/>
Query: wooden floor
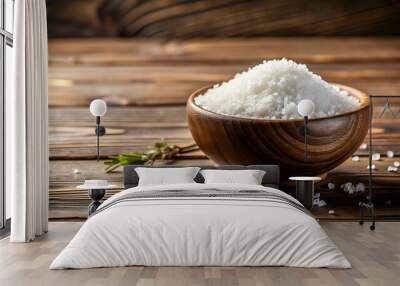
<point x="375" y="257"/>
<point x="146" y="84"/>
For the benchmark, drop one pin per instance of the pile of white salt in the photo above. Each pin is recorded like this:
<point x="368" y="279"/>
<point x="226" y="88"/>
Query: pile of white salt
<point x="272" y="90"/>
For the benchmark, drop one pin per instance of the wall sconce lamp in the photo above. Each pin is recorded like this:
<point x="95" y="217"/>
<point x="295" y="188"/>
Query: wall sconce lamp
<point x="305" y="108"/>
<point x="98" y="108"/>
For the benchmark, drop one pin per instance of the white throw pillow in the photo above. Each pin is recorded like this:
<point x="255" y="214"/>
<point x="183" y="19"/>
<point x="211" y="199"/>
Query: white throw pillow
<point x="166" y="176"/>
<point x="247" y="177"/>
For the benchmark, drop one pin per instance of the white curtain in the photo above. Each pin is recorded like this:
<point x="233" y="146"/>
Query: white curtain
<point x="26" y="124"/>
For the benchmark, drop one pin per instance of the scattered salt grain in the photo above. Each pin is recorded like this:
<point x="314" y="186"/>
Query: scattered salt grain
<point x="331" y="186"/>
<point x="392" y="169"/>
<point x="348" y="188"/>
<point x="331" y="212"/>
<point x="372" y="167"/>
<point x="396" y="163"/>
<point x="376" y="157"/>
<point x="360" y="188"/>
<point x="363" y="146"/>
<point x="272" y="90"/>
<point x="355" y="158"/>
<point x="390" y="154"/>
<point x="76" y="171"/>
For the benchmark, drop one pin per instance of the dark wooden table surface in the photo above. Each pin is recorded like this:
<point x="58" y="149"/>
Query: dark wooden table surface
<point x="146" y="84"/>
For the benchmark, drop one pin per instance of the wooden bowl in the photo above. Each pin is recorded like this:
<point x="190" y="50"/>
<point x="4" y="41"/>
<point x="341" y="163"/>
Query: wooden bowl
<point x="236" y="140"/>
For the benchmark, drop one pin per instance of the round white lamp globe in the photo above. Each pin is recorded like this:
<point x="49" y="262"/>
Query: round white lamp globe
<point x="305" y="107"/>
<point x="98" y="107"/>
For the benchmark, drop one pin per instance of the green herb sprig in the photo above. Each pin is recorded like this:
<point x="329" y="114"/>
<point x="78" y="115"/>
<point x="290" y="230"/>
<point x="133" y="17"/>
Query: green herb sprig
<point x="159" y="151"/>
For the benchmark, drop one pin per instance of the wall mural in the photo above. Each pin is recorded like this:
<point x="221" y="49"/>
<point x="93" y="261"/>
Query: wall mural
<point x="145" y="58"/>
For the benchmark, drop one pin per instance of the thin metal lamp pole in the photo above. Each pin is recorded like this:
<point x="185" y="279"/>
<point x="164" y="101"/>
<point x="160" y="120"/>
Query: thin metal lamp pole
<point x="371" y="204"/>
<point x="98" y="137"/>
<point x="305" y="138"/>
<point x="98" y="108"/>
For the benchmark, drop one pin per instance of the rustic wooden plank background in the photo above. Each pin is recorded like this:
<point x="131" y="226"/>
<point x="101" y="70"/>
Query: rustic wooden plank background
<point x="146" y="83"/>
<point x="221" y="18"/>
